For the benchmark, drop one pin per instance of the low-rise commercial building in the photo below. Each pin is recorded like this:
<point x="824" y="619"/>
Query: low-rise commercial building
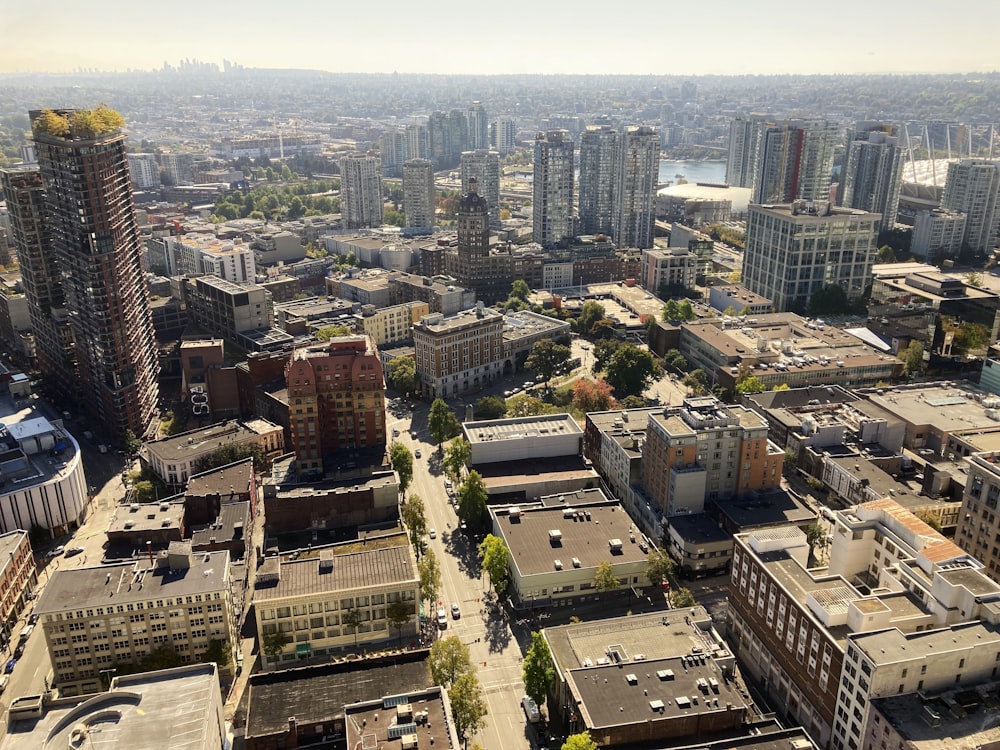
<point x="332" y="599"/>
<point x="95" y="617"/>
<point x="738" y="299"/>
<point x="555" y="550"/>
<point x="393" y="324"/>
<point x="134" y="526"/>
<point x="227" y="309"/>
<point x="523" y="438"/>
<point x="18" y="577"/>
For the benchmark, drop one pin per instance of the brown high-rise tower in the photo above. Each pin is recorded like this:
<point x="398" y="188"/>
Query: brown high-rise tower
<point x="91" y="215"/>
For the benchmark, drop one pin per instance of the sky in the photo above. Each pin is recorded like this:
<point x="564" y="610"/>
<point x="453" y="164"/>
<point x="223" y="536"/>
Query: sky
<point x="654" y="37"/>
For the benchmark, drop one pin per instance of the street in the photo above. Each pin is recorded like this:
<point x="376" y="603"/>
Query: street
<point x="494" y="650"/>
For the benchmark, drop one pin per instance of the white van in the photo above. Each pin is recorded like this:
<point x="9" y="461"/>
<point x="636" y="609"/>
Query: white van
<point x="531" y="710"/>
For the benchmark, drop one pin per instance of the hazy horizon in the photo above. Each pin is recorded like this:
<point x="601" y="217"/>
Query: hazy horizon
<point x="765" y="38"/>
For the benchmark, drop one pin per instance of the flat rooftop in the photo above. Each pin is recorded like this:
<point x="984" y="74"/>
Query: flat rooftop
<point x="773" y="508"/>
<point x="423" y="709"/>
<point x="518" y="325"/>
<point x="359" y="569"/>
<point x="701" y="528"/>
<point x="975" y="724"/>
<point x="9" y="544"/>
<point x="170" y="708"/>
<point x="232" y="479"/>
<point x="194" y="443"/>
<point x="23" y="416"/>
<point x="148" y="516"/>
<point x="82" y="588"/>
<point x="319" y="694"/>
<point x="533" y="551"/>
<point x="887" y="646"/>
<point x="949" y="406"/>
<point x="498" y="430"/>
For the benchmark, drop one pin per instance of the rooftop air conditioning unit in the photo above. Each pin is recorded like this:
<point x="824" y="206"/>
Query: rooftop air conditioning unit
<point x="555" y="536"/>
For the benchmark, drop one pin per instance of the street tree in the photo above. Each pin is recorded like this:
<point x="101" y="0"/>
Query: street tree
<point x="929" y="518"/>
<point x="605" y="578"/>
<point x="547" y="358"/>
<point x="538" y="670"/>
<point x="490" y="407"/>
<point x="402" y="373"/>
<point x="592" y="395"/>
<point x="523" y="405"/>
<point x="429" y="572"/>
<point x="751" y="384"/>
<point x="580" y="741"/>
<point x="398" y="613"/>
<point x="913" y="358"/>
<point x="682" y="598"/>
<point x="352" y="619"/>
<point x="697" y="381"/>
<point x="441" y="422"/>
<point x="402" y="463"/>
<point x="456" y="458"/>
<point x="274" y="643"/>
<point x="670" y="311"/>
<point x="604" y="351"/>
<point x="448" y="660"/>
<point x="493" y="557"/>
<point x="472" y="499"/>
<point x="660" y="566"/>
<point x="674" y="360"/>
<point x="414" y="514"/>
<point x="468" y="706"/>
<point x="630" y="371"/>
<point x="685" y="311"/>
<point x="816" y="538"/>
<point x="590" y="313"/>
<point x="520" y="289"/>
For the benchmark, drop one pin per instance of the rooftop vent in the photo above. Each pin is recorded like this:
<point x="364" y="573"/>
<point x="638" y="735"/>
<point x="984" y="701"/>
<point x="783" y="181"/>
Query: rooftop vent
<point x="569" y="512"/>
<point x="631" y="679"/>
<point x="576" y="562"/>
<point x="514" y="511"/>
<point x="615" y="546"/>
<point x="558" y="564"/>
<point x="555" y="536"/>
<point x="326" y="561"/>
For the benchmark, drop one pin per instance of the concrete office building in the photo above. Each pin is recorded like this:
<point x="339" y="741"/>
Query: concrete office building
<point x="633" y="219"/>
<point x="873" y="173"/>
<point x="24" y="192"/>
<point x="898" y="609"/>
<point x="361" y="191"/>
<point x="99" y="254"/>
<point x="973" y="188"/>
<point x="419" y="195"/>
<point x="937" y="235"/>
<point x="95" y="617"/>
<point x="483" y="166"/>
<point x="673" y="267"/>
<point x="599" y="154"/>
<point x="144" y="170"/>
<point x="794" y="250"/>
<point x="226" y="308"/>
<point x="459" y="353"/>
<point x="310" y="599"/>
<point x="553" y="188"/>
<point x="523" y="438"/>
<point x="504" y="135"/>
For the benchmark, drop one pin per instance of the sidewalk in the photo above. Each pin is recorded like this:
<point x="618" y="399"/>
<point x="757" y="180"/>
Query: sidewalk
<point x="235" y="705"/>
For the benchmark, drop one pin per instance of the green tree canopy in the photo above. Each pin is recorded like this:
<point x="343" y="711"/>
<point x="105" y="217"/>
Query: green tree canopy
<point x="472" y="499"/>
<point x="830" y="300"/>
<point x="520" y="289"/>
<point x="398" y="613"/>
<point x="274" y="643"/>
<point x="660" y="566"/>
<point x="913" y="358"/>
<point x="429" y="572"/>
<point x="402" y="463"/>
<point x="580" y="741"/>
<point x="674" y="360"/>
<point x="547" y="358"/>
<point x="886" y="255"/>
<point x="330" y="332"/>
<point x="490" y="407"/>
<point x="414" y="515"/>
<point x="231" y="453"/>
<point x="682" y="597"/>
<point x="456" y="457"/>
<point x="493" y="557"/>
<point x="468" y="706"/>
<point x="630" y="370"/>
<point x="523" y="405"/>
<point x="697" y="381"/>
<point x="751" y="384"/>
<point x="537" y="669"/>
<point x="448" y="660"/>
<point x="590" y="313"/>
<point x="605" y="578"/>
<point x="402" y="373"/>
<point x="441" y="421"/>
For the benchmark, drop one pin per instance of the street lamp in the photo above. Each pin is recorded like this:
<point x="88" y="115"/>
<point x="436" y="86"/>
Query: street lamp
<point x="107" y="672"/>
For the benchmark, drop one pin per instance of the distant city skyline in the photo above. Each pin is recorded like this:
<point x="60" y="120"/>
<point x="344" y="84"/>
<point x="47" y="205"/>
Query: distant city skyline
<point x="767" y="37"/>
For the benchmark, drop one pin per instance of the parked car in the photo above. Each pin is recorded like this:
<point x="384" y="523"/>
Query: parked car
<point x="442" y="618"/>
<point x="56" y="551"/>
<point x="531" y="710"/>
<point x="416" y="454"/>
<point x="432" y="533"/>
<point x="74" y="551"/>
<point x="10" y="665"/>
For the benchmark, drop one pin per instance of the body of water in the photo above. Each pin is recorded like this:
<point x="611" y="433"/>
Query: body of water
<point x="693" y="171"/>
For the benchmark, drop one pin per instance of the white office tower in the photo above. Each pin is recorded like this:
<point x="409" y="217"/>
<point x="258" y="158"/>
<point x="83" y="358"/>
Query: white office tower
<point x="417" y="141"/>
<point x="479" y="126"/>
<point x="361" y="201"/>
<point x="634" y="217"/>
<point x="483" y="166"/>
<point x="598" y="167"/>
<point x="552" y="191"/>
<point x="504" y="136"/>
<point x="418" y="194"/>
<point x="873" y="171"/>
<point x="392" y="150"/>
<point x="144" y="171"/>
<point x="972" y="187"/>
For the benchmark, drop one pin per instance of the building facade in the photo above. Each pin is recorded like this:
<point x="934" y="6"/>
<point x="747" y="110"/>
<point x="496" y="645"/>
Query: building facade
<point x="18" y="578"/>
<point x="99" y="254"/>
<point x="599" y="154"/>
<point x="419" y="195"/>
<point x="795" y="250"/>
<point x="937" y="235"/>
<point x="483" y="166"/>
<point x="637" y="176"/>
<point x="361" y="191"/>
<point x="336" y="400"/>
<point x="459" y="353"/>
<point x="553" y="188"/>
<point x="973" y="187"/>
<point x="873" y="173"/>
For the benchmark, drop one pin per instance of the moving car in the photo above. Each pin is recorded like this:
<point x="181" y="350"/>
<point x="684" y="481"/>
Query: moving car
<point x="416" y="453"/>
<point x="455" y="611"/>
<point x="395" y="432"/>
<point x="442" y="618"/>
<point x="73" y="551"/>
<point x="432" y="533"/>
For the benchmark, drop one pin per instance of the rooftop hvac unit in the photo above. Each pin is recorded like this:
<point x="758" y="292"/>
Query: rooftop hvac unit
<point x="615" y="545"/>
<point x="409" y="741"/>
<point x="576" y="562"/>
<point x="569" y="512"/>
<point x="558" y="564"/>
<point x="555" y="536"/>
<point x="514" y="511"/>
